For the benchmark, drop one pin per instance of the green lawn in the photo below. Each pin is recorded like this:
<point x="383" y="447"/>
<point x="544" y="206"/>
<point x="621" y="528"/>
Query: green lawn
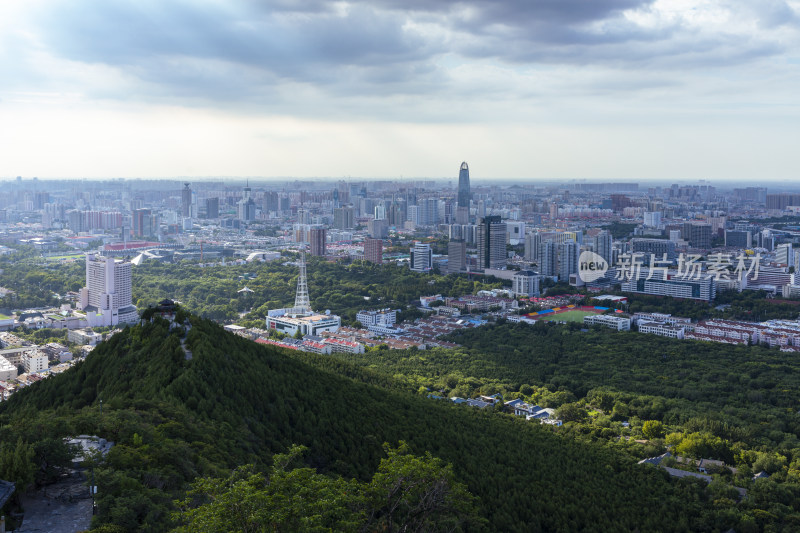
<point x="569" y="316"/>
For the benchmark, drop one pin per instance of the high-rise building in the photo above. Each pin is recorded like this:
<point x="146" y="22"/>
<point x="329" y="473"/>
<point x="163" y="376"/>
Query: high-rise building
<point x="186" y="201"/>
<point x="421" y="257"/>
<point x="567" y="259"/>
<point x="548" y="258"/>
<point x="107" y="297"/>
<point x="652" y="219"/>
<point x="429" y="215"/>
<point x="738" y="238"/>
<point x="456" y="256"/>
<point x="532" y="242"/>
<point x="373" y="251"/>
<point x="343" y="218"/>
<point x="212" y="207"/>
<point x="378" y="229"/>
<point x="462" y="208"/>
<point x="602" y="245"/>
<point x="491" y="243"/>
<point x="318" y="241"/>
<point x="784" y="254"/>
<point x="698" y="234"/>
<point x="144" y="223"/>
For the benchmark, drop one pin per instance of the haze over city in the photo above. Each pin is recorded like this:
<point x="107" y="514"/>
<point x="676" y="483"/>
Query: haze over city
<point x="623" y="90"/>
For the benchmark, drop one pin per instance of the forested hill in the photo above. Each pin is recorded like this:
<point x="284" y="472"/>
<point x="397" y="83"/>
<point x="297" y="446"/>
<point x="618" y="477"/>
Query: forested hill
<point x="236" y="402"/>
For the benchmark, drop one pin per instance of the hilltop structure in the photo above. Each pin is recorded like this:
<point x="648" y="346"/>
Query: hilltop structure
<point x="301" y="317"/>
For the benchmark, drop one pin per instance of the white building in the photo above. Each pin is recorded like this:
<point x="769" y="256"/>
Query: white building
<point x="85" y="337"/>
<point x="421" y="257"/>
<point x="35" y="361"/>
<point x="614" y="322"/>
<point x="526" y="284"/>
<point x="7" y="370"/>
<point x="107" y="298"/>
<point x="300" y="317"/>
<point x="662" y="329"/>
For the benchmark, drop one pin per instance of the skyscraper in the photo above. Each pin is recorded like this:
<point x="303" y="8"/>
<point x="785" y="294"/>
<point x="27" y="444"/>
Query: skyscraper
<point x="186" y="201"/>
<point x="491" y="243"/>
<point x="548" y="258"/>
<point x="462" y="210"/>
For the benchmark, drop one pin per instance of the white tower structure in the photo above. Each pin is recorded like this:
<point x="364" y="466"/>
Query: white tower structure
<point x="302" y="304"/>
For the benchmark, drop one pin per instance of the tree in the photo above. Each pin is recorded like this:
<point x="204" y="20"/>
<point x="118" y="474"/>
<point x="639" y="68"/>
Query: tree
<point x="412" y="493"/>
<point x="653" y="429"/>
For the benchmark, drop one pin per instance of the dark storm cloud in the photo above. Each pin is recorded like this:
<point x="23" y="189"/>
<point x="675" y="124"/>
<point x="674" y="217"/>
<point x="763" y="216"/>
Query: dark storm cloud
<point x="245" y="49"/>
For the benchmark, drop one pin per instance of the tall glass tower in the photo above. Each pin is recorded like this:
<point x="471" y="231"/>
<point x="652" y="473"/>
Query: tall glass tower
<point x="462" y="209"/>
<point x="463" y="186"/>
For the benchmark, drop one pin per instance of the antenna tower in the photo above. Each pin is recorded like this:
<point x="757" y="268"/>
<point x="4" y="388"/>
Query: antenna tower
<point x="302" y="305"/>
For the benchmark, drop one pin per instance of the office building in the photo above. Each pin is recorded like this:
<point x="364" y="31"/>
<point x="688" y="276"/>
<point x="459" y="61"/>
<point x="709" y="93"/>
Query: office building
<point x="107" y="298"/>
<point x="696" y="289"/>
<point x="378" y="229"/>
<point x="462" y="207"/>
<point x="656" y="247"/>
<point x="456" y="256"/>
<point x="697" y="234"/>
<point x="144" y="223"/>
<point x="373" y="251"/>
<point x="212" y="207"/>
<point x="318" y="240"/>
<point x="421" y="257"/>
<point x="186" y="201"/>
<point x="738" y="239"/>
<point x="491" y="243"/>
<point x="343" y="218"/>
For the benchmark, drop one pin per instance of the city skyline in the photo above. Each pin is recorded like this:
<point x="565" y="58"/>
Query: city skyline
<point x="609" y="90"/>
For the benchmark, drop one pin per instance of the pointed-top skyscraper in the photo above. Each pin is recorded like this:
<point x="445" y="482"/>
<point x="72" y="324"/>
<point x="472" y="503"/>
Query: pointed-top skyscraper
<point x="462" y="210"/>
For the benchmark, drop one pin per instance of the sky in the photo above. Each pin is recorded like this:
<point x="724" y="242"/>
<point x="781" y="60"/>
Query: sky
<point x="523" y="89"/>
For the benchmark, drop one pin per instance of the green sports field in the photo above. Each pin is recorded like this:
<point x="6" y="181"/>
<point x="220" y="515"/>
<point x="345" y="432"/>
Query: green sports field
<point x="569" y="316"/>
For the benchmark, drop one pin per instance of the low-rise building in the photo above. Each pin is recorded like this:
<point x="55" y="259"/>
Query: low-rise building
<point x="610" y="321"/>
<point x="84" y="337"/>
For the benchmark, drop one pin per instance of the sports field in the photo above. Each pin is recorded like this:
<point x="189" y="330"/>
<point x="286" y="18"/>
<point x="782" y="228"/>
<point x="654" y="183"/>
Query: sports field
<point x="569" y="316"/>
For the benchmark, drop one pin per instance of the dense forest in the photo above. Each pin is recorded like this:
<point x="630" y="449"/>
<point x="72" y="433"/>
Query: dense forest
<point x="176" y="420"/>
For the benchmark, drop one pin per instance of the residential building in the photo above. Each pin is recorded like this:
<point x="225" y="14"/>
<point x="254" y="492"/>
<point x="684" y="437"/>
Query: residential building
<point x="373" y="250"/>
<point x="568" y="253"/>
<point x="35" y="361"/>
<point x="533" y="241"/>
<point x="343" y="218"/>
<point x="548" y="258"/>
<point x="318" y="241"/>
<point x="8" y="371"/>
<point x="526" y="284"/>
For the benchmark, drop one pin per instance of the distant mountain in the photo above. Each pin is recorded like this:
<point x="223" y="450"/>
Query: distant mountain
<point x="236" y="402"/>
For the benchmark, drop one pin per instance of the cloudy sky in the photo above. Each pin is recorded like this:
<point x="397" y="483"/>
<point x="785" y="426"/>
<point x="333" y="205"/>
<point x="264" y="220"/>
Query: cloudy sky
<point x="565" y="89"/>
